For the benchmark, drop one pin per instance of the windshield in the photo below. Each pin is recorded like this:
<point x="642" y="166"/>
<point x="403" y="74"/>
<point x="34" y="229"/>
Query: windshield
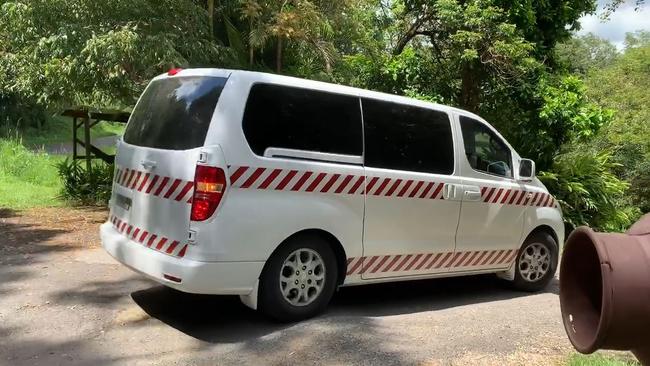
<point x="174" y="113"/>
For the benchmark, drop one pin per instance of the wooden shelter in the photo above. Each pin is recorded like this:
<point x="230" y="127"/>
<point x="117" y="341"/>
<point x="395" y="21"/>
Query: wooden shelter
<point x="86" y="118"/>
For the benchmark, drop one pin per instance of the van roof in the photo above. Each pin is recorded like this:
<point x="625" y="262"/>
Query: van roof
<point x="254" y="76"/>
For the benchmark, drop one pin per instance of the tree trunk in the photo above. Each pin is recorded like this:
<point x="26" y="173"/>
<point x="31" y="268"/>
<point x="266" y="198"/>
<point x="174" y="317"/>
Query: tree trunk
<point x="470" y="93"/>
<point x="211" y="16"/>
<point x="278" y="56"/>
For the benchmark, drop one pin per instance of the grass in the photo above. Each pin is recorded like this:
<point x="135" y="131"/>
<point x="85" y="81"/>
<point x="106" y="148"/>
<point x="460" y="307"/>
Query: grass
<point x="600" y="359"/>
<point x="27" y="179"/>
<point x="58" y="129"/>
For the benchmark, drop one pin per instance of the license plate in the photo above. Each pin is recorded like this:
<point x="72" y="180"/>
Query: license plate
<point x="123" y="202"/>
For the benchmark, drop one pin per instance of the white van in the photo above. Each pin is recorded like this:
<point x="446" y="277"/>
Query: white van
<point x="280" y="190"/>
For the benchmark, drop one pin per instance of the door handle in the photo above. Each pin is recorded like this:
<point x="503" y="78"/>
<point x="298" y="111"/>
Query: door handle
<point x="473" y="195"/>
<point x="449" y="191"/>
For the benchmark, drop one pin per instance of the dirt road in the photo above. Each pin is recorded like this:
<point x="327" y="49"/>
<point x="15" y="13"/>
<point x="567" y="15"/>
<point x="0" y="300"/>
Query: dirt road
<point x="64" y="301"/>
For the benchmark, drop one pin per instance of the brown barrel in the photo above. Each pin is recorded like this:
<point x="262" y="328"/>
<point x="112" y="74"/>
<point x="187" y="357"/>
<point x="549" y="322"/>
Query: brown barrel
<point x="605" y="290"/>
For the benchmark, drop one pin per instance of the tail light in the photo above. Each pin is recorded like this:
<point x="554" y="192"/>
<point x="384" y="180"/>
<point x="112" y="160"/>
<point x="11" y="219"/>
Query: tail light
<point x="209" y="187"/>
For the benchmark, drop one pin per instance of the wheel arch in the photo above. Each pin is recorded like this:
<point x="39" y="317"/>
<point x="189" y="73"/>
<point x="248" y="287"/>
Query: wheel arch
<point x="543" y="228"/>
<point x="334" y="242"/>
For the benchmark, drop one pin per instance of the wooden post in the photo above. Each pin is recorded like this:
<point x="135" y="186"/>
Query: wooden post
<point x="74" y="138"/>
<point x="87" y="142"/>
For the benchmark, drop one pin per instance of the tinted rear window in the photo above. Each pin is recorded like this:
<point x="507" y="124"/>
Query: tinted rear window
<point x="302" y="119"/>
<point x="405" y="137"/>
<point x="174" y="113"/>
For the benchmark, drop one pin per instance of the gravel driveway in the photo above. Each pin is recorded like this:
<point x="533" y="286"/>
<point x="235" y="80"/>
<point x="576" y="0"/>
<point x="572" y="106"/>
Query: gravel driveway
<point x="64" y="301"/>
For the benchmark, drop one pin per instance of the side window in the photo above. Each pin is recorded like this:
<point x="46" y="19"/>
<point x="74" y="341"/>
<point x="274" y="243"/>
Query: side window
<point x="485" y="151"/>
<point x="404" y="137"/>
<point x="302" y="119"/>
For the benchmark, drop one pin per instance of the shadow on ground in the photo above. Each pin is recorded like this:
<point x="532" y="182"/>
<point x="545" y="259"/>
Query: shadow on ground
<point x="22" y="242"/>
<point x="224" y="319"/>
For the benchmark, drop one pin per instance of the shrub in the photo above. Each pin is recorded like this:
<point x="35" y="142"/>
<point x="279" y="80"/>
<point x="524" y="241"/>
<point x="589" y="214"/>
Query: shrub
<point x="584" y="183"/>
<point x="80" y="186"/>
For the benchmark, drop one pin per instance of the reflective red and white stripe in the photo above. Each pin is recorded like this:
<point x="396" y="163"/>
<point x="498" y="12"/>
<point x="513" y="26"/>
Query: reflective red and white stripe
<point x="517" y="197"/>
<point x="158" y="185"/>
<point x="307" y="181"/>
<point x="245" y="177"/>
<point x="150" y="240"/>
<point x="427" y="262"/>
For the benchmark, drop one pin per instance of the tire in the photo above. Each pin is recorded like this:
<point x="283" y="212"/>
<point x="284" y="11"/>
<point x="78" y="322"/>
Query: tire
<point x="306" y="298"/>
<point x="528" y="271"/>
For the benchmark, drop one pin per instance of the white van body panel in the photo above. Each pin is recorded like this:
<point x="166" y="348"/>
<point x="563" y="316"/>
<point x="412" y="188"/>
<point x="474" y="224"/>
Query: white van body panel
<point x="270" y="198"/>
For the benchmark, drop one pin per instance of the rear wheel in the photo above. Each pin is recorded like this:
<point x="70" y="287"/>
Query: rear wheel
<point x="299" y="279"/>
<point x="536" y="262"/>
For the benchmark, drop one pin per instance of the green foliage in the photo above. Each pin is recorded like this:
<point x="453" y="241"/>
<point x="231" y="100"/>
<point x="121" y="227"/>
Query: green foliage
<point x="623" y="86"/>
<point x="582" y="180"/>
<point x="27" y="179"/>
<point x="67" y="52"/>
<point x="599" y="359"/>
<point x="582" y="54"/>
<point x="87" y="187"/>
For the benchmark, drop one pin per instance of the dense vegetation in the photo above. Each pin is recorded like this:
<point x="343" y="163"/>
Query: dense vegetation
<point x="576" y="105"/>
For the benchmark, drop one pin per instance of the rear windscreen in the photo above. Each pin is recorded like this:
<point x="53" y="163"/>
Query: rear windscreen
<point x="174" y="113"/>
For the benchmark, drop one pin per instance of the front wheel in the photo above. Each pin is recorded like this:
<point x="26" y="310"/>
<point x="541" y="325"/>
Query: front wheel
<point x="299" y="279"/>
<point x="536" y="263"/>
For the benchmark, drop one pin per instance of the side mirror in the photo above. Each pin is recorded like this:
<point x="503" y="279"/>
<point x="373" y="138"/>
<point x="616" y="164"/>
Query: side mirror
<point x="526" y="169"/>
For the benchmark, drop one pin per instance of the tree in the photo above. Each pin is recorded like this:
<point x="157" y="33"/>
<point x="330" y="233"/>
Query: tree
<point x="581" y="54"/>
<point x="65" y="52"/>
<point x="470" y="39"/>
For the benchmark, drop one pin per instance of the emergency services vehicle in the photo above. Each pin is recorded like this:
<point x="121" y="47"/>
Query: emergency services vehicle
<point x="280" y="190"/>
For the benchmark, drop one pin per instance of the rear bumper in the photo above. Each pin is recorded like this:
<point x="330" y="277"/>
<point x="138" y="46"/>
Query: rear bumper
<point x="218" y="278"/>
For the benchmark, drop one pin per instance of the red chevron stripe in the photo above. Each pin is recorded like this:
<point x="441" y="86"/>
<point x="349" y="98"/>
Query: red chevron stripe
<point x="444" y="259"/>
<point x="181" y="254"/>
<point x="408" y="267"/>
<point x="343" y="184"/>
<point x="382" y="186"/>
<point x="267" y="182"/>
<point x="172" y="188"/>
<point x="315" y="183"/>
<point x="330" y="183"/>
<point x="381" y="263"/>
<point x="152" y="184"/>
<point x="144" y="181"/>
<point x="356" y="185"/>
<point x="162" y="185"/>
<point x="424" y="261"/>
<point x="405" y="188"/>
<point x="135" y="181"/>
<point x="416" y="189"/>
<point x="251" y="180"/>
<point x="186" y="188"/>
<point x="371" y="184"/>
<point x="496" y="197"/>
<point x="301" y="181"/>
<point x="427" y="189"/>
<point x="505" y="196"/>
<point x="128" y="182"/>
<point x="478" y="259"/>
<point x="286" y="180"/>
<point x="367" y="265"/>
<point x="238" y="173"/>
<point x="395" y="259"/>
<point x="401" y="264"/>
<point x="487" y="198"/>
<point x="355" y="266"/>
<point x="437" y="191"/>
<point x="393" y="188"/>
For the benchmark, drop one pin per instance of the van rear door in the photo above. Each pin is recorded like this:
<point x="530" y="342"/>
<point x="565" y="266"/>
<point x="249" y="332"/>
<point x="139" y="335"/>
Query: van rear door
<point x="156" y="161"/>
